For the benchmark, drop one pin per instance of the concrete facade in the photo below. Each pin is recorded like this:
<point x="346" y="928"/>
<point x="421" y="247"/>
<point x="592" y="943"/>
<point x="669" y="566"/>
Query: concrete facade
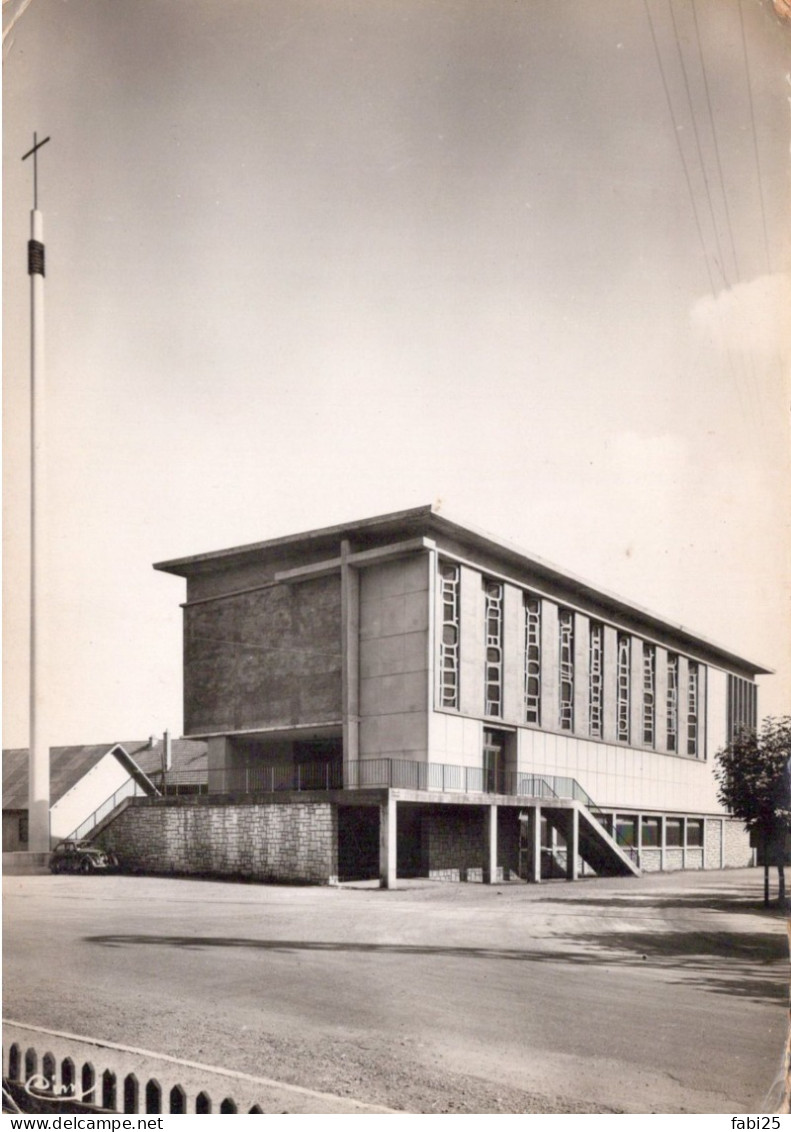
<point x="426" y="655"/>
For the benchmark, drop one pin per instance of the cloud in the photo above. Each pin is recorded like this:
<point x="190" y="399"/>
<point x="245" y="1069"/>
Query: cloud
<point x="753" y="318"/>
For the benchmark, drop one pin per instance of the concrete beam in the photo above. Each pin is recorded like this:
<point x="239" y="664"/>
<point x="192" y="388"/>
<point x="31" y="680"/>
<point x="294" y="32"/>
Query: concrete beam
<point x="387" y="843"/>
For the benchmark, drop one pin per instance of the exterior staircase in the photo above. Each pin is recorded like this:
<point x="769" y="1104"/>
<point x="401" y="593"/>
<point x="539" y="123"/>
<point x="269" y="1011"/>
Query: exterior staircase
<point x="110" y="807"/>
<point x="596" y="846"/>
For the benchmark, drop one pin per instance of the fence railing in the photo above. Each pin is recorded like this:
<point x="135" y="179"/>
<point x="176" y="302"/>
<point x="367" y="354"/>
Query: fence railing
<point x="404" y="774"/>
<point x="399" y="773"/>
<point x="129" y="789"/>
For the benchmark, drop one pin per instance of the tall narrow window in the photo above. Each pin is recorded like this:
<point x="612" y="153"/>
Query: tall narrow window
<point x="693" y="690"/>
<point x="742" y="705"/>
<point x="532" y="659"/>
<point x="566" y="633"/>
<point x="595" y="677"/>
<point x="449" y="644"/>
<point x="494" y="647"/>
<point x="672" y="702"/>
<point x="649" y="694"/>
<point x="624" y="662"/>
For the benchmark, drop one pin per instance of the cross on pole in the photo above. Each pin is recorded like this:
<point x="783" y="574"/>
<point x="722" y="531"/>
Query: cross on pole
<point x="34" y="151"/>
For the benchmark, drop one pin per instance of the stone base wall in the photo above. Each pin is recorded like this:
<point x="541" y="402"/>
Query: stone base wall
<point x="453" y="845"/>
<point x="651" y="860"/>
<point x="295" y="843"/>
<point x="674" y="858"/>
<point x="712" y="844"/>
<point x="738" y="853"/>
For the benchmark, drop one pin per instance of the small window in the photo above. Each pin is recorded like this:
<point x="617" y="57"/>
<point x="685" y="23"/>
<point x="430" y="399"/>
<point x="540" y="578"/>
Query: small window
<point x="23" y="828"/>
<point x="651" y="833"/>
<point x="626" y="829"/>
<point x="694" y="833"/>
<point x="674" y="832"/>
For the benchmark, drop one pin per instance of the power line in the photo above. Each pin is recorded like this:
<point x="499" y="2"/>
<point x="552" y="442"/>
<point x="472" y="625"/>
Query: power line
<point x="755" y="137"/>
<point x="679" y="146"/>
<point x="715" y="138"/>
<point x="693" y="117"/>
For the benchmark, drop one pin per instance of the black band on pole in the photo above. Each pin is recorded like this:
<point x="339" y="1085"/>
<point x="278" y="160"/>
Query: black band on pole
<point x="35" y="257"/>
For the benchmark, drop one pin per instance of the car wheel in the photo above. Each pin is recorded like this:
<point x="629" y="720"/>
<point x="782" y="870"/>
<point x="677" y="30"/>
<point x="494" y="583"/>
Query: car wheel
<point x="86" y="866"/>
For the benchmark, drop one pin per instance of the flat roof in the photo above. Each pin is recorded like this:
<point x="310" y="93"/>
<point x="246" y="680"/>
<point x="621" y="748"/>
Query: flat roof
<point x="428" y="521"/>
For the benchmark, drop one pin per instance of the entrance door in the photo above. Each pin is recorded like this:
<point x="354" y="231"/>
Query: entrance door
<point x="493" y="763"/>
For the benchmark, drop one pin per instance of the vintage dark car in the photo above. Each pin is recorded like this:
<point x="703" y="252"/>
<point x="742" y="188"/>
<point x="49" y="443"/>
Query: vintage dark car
<point x="80" y="857"/>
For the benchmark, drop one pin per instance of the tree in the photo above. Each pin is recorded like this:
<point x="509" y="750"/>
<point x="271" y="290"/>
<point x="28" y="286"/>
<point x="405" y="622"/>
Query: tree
<point x="754" y="783"/>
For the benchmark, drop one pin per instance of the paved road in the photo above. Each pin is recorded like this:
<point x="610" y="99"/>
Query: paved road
<point x="663" y="994"/>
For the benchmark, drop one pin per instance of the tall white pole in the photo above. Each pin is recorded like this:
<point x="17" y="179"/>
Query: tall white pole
<point x="38" y="788"/>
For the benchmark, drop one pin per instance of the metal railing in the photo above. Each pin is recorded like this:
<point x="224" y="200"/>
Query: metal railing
<point x="129" y="789"/>
<point x="405" y="774"/>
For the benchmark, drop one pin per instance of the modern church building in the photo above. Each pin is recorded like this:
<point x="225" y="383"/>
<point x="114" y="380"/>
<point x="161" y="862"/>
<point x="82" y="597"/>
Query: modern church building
<point x="407" y="696"/>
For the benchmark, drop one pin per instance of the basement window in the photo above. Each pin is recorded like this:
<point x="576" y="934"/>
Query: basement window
<point x="674" y="832"/>
<point x="694" y="833"/>
<point x="626" y="829"/>
<point x="651" y="833"/>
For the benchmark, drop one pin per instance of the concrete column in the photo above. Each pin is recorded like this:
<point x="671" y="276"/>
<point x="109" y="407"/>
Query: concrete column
<point x="350" y="672"/>
<point x="472" y="642"/>
<point x="722" y="843"/>
<point x="683" y="703"/>
<point x="513" y="655"/>
<point x="581" y="673"/>
<point x="217" y="759"/>
<point x="490" y="844"/>
<point x="661" y="699"/>
<point x="550" y="657"/>
<point x="662" y="841"/>
<point x="703" y="672"/>
<point x="38" y="755"/>
<point x="610" y="679"/>
<point x="683" y="843"/>
<point x="387" y="842"/>
<point x="572" y="842"/>
<point x="534" y="833"/>
<point x="636" y="694"/>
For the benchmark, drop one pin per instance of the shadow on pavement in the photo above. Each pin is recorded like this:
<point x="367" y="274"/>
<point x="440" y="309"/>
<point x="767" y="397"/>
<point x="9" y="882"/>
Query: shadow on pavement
<point x="734" y="901"/>
<point x="721" y="962"/>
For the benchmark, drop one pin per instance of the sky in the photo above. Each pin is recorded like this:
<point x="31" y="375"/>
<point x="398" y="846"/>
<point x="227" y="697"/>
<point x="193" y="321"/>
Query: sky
<point x="314" y="260"/>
